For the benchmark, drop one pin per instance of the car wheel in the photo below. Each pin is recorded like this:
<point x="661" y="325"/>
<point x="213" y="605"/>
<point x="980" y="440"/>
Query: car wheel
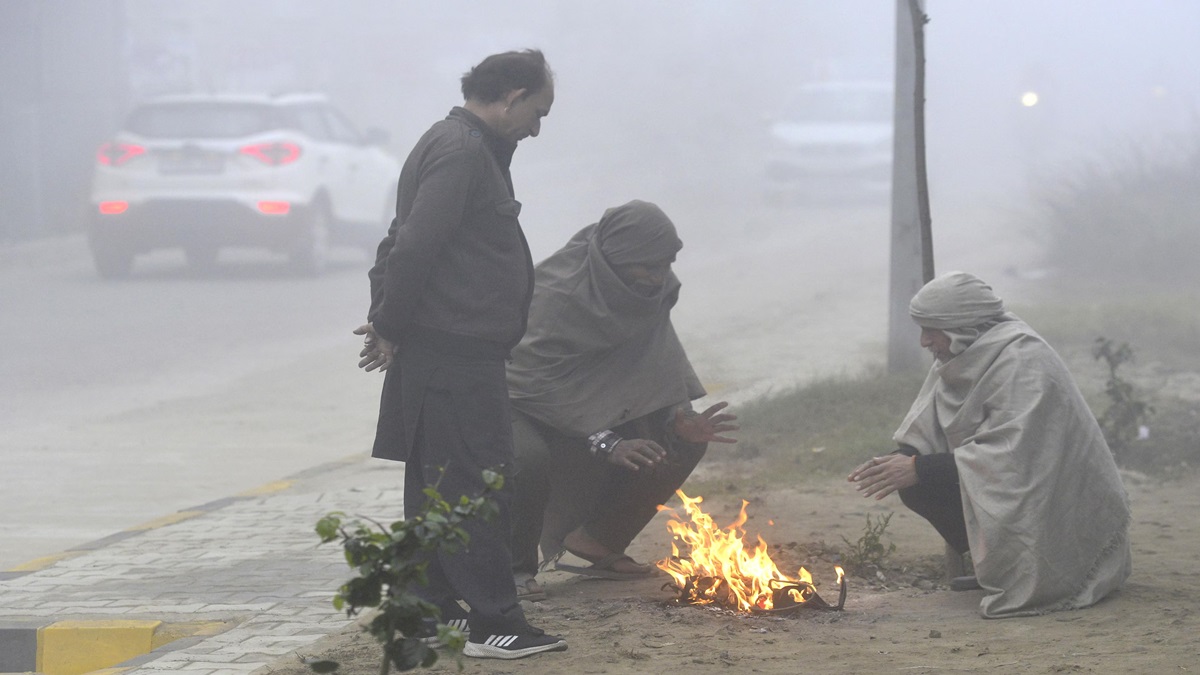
<point x="310" y="254"/>
<point x="112" y="261"/>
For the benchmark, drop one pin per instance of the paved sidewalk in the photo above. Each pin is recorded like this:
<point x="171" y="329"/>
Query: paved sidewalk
<point x="252" y="562"/>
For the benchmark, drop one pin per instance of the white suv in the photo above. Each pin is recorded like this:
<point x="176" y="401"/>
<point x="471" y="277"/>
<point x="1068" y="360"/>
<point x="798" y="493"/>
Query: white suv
<point x="833" y="140"/>
<point x="202" y="172"/>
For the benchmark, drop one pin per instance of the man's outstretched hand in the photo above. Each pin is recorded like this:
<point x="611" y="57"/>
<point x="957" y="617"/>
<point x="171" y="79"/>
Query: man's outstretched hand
<point x="881" y="476"/>
<point x="706" y="427"/>
<point x="377" y="353"/>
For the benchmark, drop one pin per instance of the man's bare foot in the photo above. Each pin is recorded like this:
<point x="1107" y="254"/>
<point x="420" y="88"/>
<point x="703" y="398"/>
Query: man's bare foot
<point x="579" y="543"/>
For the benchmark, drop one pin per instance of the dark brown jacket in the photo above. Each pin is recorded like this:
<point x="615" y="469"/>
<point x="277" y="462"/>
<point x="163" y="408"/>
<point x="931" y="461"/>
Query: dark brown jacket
<point x="455" y="261"/>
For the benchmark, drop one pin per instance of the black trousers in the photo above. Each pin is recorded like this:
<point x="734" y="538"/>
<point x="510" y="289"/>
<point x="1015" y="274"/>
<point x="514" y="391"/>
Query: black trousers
<point x="559" y="485"/>
<point x="941" y="504"/>
<point x="463" y="427"/>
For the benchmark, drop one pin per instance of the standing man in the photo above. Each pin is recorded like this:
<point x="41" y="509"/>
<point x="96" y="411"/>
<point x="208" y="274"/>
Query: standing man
<point x="1001" y="454"/>
<point x="450" y="294"/>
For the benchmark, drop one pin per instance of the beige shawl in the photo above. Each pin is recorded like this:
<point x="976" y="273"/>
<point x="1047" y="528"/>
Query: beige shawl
<point x="1047" y="516"/>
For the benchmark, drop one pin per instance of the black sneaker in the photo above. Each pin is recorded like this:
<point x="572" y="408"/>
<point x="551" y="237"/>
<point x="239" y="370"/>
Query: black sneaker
<point x="429" y="630"/>
<point x="513" y="646"/>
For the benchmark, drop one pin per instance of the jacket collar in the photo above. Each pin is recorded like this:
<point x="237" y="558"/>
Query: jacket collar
<point x="501" y="148"/>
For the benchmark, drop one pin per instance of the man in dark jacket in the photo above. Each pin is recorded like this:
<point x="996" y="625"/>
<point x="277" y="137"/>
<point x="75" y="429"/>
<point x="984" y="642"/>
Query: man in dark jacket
<point x="450" y="294"/>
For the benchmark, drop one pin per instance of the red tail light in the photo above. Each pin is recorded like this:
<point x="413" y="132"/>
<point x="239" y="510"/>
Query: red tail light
<point x="274" y="208"/>
<point x="116" y="154"/>
<point x="273" y="153"/>
<point x="113" y="208"/>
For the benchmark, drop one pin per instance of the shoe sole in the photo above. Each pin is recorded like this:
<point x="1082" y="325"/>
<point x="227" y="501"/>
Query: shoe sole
<point x="482" y="651"/>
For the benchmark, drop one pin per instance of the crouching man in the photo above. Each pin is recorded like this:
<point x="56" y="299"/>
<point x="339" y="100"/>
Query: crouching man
<point x="1003" y="457"/>
<point x="601" y="392"/>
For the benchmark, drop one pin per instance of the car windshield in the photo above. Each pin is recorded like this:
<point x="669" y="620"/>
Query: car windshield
<point x="841" y="105"/>
<point x="202" y="120"/>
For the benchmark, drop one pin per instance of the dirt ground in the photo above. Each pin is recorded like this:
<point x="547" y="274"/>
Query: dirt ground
<point x="746" y="328"/>
<point x="903" y="619"/>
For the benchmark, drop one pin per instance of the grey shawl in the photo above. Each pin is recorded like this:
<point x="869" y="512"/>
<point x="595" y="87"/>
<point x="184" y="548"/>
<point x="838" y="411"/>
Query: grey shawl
<point x="596" y="353"/>
<point x="1047" y="515"/>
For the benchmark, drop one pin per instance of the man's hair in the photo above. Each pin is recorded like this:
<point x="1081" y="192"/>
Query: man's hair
<point x="499" y="74"/>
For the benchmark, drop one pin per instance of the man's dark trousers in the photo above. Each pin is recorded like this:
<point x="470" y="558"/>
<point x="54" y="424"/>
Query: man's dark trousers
<point x="463" y="427"/>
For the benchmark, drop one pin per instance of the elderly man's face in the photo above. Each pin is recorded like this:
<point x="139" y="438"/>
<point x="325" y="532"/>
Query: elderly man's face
<point x="937" y="342"/>
<point x="523" y="116"/>
<point x="645" y="279"/>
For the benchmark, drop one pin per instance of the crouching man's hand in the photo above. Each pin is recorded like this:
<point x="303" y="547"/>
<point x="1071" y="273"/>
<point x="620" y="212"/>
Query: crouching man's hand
<point x="705" y="427"/>
<point x="635" y="453"/>
<point x="881" y="476"/>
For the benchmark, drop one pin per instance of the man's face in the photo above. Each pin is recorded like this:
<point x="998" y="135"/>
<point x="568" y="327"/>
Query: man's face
<point x="937" y="342"/>
<point x="523" y="115"/>
<point x="645" y="279"/>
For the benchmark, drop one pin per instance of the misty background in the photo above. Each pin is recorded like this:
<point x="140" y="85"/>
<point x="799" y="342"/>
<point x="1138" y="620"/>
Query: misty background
<point x="666" y="101"/>
<point x="129" y="400"/>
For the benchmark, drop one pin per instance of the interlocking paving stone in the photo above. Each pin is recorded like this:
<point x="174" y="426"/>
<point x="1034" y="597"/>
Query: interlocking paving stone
<point x="254" y="562"/>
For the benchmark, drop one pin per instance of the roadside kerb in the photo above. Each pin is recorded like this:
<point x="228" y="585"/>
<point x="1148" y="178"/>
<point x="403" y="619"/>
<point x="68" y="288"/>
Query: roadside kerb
<point x="250" y="564"/>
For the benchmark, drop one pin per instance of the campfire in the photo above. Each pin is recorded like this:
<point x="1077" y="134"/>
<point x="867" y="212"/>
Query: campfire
<point x="721" y="569"/>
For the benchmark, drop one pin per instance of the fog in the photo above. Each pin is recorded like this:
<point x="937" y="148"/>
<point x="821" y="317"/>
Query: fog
<point x="669" y="101"/>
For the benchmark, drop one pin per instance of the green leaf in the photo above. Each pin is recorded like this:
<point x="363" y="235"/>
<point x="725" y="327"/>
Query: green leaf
<point x="493" y="479"/>
<point x="327" y="527"/>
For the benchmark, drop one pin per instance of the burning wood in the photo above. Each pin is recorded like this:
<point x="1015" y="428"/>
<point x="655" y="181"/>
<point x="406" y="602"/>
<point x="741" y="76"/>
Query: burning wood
<point x="721" y="569"/>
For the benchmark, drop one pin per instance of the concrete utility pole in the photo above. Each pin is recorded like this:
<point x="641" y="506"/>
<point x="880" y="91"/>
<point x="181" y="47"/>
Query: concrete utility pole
<point x="912" y="239"/>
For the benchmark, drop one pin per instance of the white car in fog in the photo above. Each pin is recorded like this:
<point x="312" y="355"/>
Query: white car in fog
<point x="833" y="140"/>
<point x="204" y="172"/>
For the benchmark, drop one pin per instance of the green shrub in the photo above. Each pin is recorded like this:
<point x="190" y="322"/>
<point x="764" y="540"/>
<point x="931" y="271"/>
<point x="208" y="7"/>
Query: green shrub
<point x="390" y="560"/>
<point x="1132" y="215"/>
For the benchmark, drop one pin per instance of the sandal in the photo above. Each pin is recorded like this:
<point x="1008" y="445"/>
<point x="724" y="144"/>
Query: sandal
<point x="603" y="567"/>
<point x="530" y="590"/>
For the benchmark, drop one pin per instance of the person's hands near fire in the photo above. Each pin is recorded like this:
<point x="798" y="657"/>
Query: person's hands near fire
<point x="635" y="453"/>
<point x="881" y="476"/>
<point x="707" y="426"/>
<point x="376" y="352"/>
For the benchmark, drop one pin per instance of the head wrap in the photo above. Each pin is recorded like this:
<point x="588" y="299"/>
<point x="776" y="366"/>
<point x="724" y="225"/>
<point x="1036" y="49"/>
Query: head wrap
<point x="959" y="304"/>
<point x="637" y="233"/>
<point x="597" y="353"/>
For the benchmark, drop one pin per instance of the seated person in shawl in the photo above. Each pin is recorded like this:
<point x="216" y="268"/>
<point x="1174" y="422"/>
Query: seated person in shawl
<point x="601" y="392"/>
<point x="1002" y="455"/>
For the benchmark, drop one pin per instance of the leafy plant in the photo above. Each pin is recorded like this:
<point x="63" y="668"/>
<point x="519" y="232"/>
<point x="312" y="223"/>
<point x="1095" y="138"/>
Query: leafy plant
<point x="390" y="560"/>
<point x="1127" y="214"/>
<point x="869" y="550"/>
<point x="1126" y="413"/>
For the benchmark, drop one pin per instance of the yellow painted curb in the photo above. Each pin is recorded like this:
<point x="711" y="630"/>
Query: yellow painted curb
<point x="268" y="488"/>
<point x="97" y="647"/>
<point x="77" y="647"/>
<point x="171" y="519"/>
<point x="42" y="563"/>
<point x="170" y="632"/>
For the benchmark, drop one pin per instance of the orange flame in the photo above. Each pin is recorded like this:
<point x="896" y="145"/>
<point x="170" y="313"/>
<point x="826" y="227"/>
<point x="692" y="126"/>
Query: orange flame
<point x="720" y="567"/>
